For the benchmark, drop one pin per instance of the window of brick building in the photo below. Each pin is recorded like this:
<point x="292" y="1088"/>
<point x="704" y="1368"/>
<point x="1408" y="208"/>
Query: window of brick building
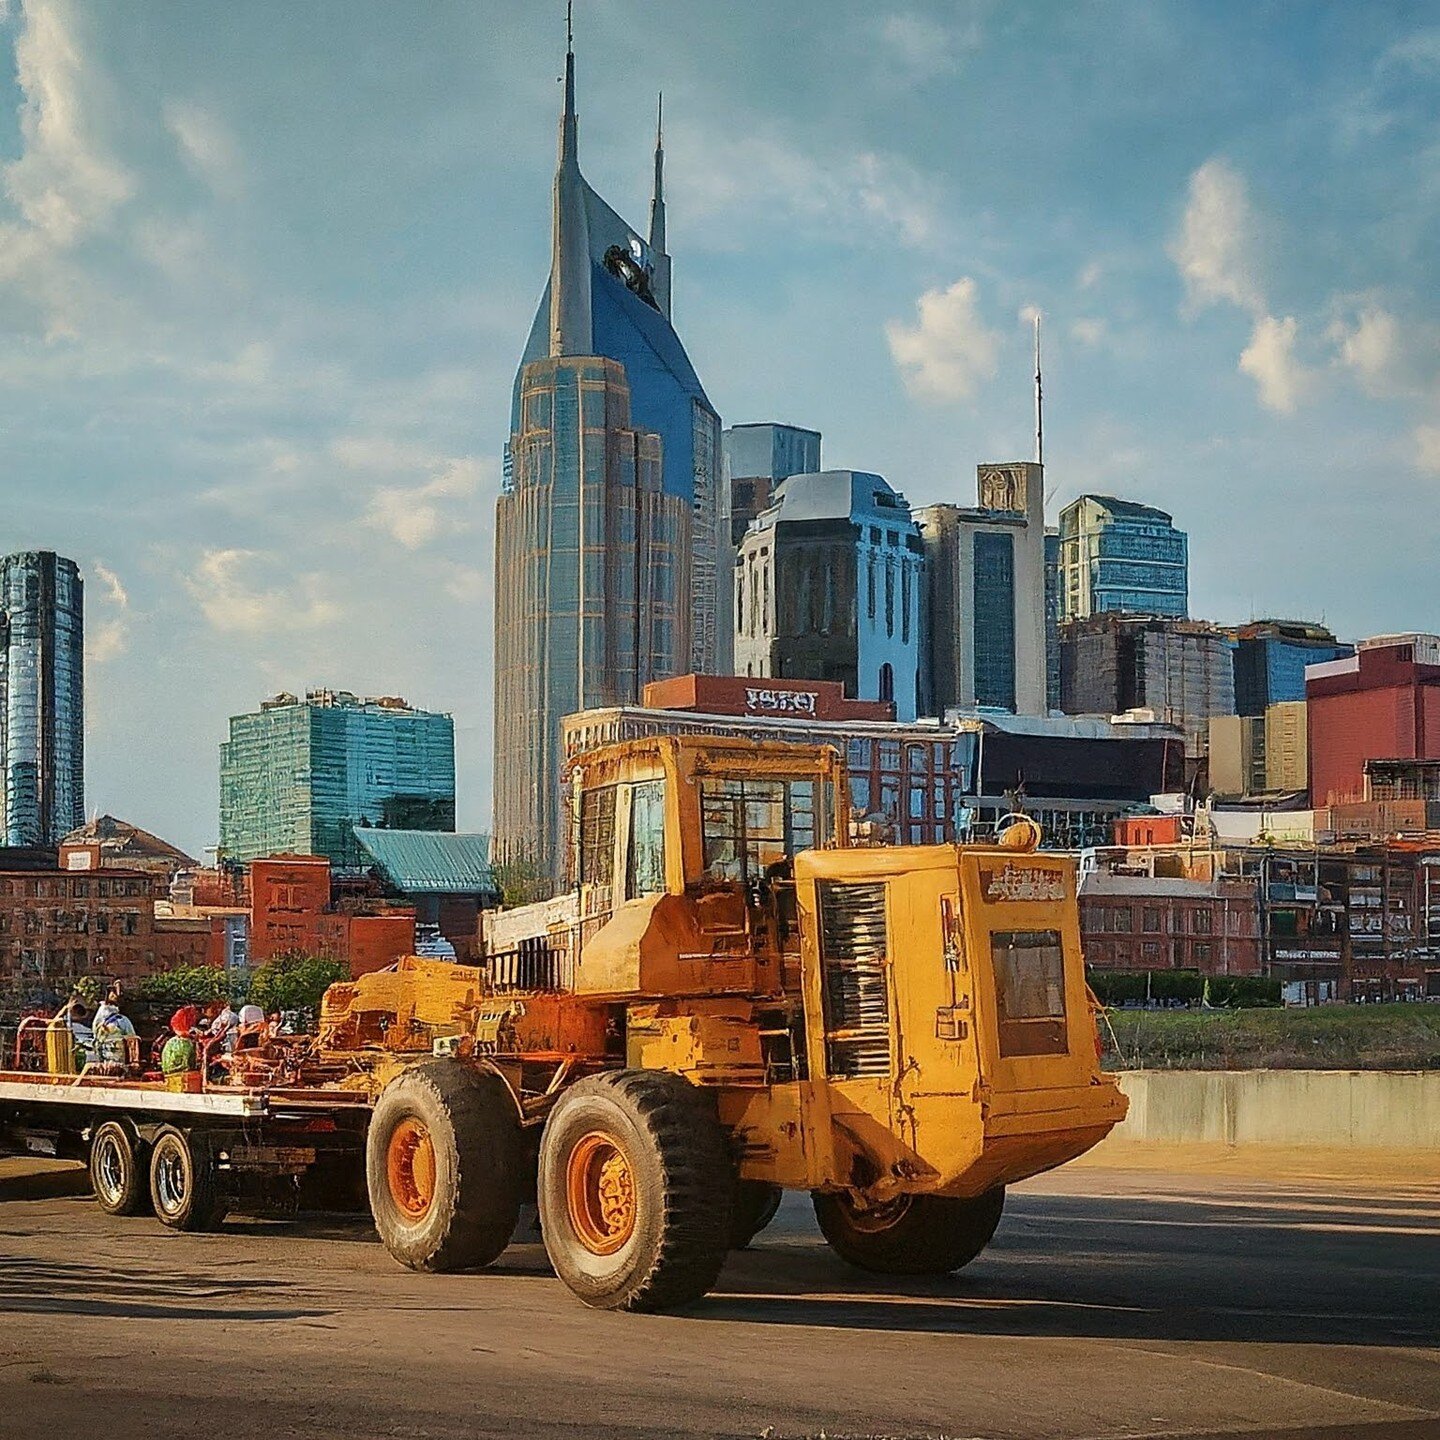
<point x="1200" y="921"/>
<point x="1150" y="920"/>
<point x="1150" y="950"/>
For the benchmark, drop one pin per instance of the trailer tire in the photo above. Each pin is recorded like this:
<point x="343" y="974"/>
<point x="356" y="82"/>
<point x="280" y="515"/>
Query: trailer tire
<point x="754" y="1207"/>
<point x="119" y="1174"/>
<point x="184" y="1186"/>
<point x="915" y="1235"/>
<point x="635" y="1191"/>
<point x="443" y="1167"/>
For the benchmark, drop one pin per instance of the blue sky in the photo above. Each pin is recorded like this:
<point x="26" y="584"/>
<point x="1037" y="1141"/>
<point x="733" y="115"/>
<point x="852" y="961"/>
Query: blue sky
<point x="266" y="269"/>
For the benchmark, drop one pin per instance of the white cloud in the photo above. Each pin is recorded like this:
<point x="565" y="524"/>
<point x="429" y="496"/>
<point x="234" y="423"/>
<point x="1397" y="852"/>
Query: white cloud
<point x="415" y="515"/>
<point x="1218" y="241"/>
<point x="1427" y="448"/>
<point x="949" y="350"/>
<point x="918" y="47"/>
<point x="65" y="184"/>
<point x="1088" y="331"/>
<point x="107" y="628"/>
<point x="747" y="175"/>
<point x="1270" y="360"/>
<point x="233" y="600"/>
<point x="206" y="145"/>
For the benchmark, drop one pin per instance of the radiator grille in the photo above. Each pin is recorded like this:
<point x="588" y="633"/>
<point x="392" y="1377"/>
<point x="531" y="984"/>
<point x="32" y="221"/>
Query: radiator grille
<point x="853" y="980"/>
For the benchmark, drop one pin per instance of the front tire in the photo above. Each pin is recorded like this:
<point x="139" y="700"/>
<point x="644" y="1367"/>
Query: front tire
<point x="442" y="1167"/>
<point x="118" y="1173"/>
<point x="184" y="1187"/>
<point x="635" y="1190"/>
<point x="914" y="1235"/>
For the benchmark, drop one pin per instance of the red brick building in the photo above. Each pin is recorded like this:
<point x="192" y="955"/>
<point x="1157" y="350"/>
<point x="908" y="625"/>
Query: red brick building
<point x="1383" y="703"/>
<point x="291" y="910"/>
<point x="1142" y="922"/>
<point x="57" y="925"/>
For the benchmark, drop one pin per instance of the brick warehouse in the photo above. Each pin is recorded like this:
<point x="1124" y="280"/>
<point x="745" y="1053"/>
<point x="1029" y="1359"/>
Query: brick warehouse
<point x="1144" y="922"/>
<point x="57" y="925"/>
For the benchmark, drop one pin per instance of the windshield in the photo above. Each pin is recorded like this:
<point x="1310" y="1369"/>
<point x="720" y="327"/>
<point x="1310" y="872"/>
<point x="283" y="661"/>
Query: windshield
<point x="751" y="828"/>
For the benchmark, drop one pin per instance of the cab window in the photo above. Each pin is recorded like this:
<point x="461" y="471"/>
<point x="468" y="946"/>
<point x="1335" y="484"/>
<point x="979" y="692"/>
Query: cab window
<point x="645" y="863"/>
<point x="752" y="826"/>
<point x="1030" y="991"/>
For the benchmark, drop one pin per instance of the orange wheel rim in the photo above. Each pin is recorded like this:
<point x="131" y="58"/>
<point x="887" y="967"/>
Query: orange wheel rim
<point x="600" y="1193"/>
<point x="410" y="1168"/>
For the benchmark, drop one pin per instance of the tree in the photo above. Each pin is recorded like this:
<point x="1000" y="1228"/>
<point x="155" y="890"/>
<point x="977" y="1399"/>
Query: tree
<point x="295" y="981"/>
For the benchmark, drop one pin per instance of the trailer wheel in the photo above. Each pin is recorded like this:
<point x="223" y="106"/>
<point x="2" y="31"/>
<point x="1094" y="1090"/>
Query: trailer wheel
<point x="754" y="1207"/>
<point x="635" y="1190"/>
<point x="914" y="1235"/>
<point x="443" y="1167"/>
<point x="117" y="1170"/>
<point x="184" y="1188"/>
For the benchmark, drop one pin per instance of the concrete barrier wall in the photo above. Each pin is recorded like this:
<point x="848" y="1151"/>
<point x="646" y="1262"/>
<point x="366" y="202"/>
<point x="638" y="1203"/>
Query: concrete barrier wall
<point x="1383" y="1109"/>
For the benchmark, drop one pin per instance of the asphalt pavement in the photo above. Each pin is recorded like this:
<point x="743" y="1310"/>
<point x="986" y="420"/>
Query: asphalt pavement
<point x="1112" y="1303"/>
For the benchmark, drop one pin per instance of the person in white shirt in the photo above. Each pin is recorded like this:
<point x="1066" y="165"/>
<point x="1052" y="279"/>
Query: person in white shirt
<point x="112" y="1032"/>
<point x="225" y="1028"/>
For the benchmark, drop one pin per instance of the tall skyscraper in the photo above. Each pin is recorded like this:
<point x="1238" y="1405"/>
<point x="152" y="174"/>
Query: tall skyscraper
<point x="612" y="530"/>
<point x="829" y="585"/>
<point x="985" y="609"/>
<point x="42" y="698"/>
<point x="757" y="459"/>
<point x="1120" y="557"/>
<point x="297" y="776"/>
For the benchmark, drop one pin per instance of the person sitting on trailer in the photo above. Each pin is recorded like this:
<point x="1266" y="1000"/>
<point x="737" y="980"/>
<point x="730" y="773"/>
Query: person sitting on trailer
<point x="180" y="1056"/>
<point x="113" y="1035"/>
<point x="253" y="1031"/>
<point x="224" y="1029"/>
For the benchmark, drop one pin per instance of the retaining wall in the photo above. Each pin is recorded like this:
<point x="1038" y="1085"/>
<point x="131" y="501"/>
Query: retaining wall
<point x="1381" y="1109"/>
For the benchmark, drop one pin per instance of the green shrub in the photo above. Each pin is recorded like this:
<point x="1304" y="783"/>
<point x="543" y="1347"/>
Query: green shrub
<point x="190" y="985"/>
<point x="295" y="981"/>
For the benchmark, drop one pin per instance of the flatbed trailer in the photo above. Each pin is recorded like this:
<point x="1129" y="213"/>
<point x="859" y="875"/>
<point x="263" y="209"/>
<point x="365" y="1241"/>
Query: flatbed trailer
<point x="194" y="1155"/>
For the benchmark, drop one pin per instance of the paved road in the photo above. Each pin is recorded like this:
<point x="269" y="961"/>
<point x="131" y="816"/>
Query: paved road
<point x="1111" y="1304"/>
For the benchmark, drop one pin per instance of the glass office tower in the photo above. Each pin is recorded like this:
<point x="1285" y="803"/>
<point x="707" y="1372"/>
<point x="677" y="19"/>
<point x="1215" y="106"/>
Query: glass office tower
<point x="591" y="586"/>
<point x="612" y="529"/>
<point x="42" y="698"/>
<point x="1117" y="556"/>
<point x="297" y="776"/>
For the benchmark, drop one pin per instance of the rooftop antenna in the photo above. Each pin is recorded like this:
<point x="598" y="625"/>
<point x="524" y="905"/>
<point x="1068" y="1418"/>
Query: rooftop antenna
<point x="1039" y="396"/>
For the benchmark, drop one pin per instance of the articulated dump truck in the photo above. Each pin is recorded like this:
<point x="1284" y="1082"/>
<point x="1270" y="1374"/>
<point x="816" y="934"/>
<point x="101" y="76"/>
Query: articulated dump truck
<point x="731" y="1002"/>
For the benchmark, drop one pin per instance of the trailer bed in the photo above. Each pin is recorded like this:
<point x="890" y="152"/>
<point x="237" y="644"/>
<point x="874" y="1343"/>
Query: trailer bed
<point x="24" y="1088"/>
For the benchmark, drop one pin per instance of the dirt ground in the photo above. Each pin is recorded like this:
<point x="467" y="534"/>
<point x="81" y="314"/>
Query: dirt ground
<point x="1113" y="1303"/>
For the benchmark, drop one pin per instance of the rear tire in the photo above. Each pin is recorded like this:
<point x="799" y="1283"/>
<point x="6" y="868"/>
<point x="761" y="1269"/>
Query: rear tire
<point x="635" y="1189"/>
<point x="443" y="1167"/>
<point x="184" y="1187"/>
<point x="118" y="1173"/>
<point x="755" y="1204"/>
<point x="914" y="1235"/>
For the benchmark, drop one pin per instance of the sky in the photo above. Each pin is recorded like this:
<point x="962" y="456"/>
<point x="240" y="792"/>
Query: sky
<point x="266" y="271"/>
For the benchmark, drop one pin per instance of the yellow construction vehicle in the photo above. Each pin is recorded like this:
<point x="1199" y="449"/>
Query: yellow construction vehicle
<point x="730" y="1002"/>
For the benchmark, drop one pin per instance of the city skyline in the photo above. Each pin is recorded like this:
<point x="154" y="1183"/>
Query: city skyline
<point x="256" y="341"/>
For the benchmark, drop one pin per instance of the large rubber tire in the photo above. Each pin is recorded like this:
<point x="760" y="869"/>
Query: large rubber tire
<point x="916" y="1235"/>
<point x="443" y="1167"/>
<point x="184" y="1188"/>
<point x="753" y="1208"/>
<point x="119" y="1175"/>
<point x="656" y="1141"/>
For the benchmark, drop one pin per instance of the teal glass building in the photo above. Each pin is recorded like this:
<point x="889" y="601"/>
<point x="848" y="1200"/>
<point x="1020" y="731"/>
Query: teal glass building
<point x="1119" y="557"/>
<point x="297" y="776"/>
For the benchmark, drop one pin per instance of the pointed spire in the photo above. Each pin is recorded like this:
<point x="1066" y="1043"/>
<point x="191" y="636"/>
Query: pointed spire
<point x="569" y="150"/>
<point x="657" y="201"/>
<point x="570" y="329"/>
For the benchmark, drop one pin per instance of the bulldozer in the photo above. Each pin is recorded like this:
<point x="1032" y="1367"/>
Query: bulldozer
<point x="730" y="1001"/>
